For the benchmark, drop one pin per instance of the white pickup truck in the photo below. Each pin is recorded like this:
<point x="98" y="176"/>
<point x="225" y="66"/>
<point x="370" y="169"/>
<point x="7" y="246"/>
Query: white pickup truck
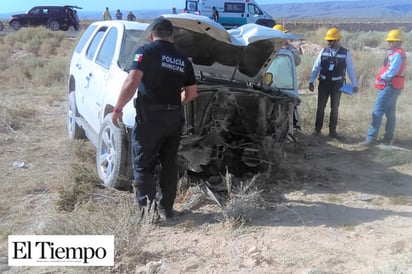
<point x="247" y="93"/>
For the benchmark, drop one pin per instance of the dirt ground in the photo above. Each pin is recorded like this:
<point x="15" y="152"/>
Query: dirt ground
<point x="339" y="208"/>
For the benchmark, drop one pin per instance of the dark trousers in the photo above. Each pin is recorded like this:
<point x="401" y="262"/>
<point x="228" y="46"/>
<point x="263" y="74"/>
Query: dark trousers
<point x="328" y="89"/>
<point x="155" y="141"/>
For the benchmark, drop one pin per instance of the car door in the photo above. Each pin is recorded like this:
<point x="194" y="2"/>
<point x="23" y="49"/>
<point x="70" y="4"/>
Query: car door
<point x="102" y="76"/>
<point x="86" y="82"/>
<point x="253" y="13"/>
<point x="33" y="17"/>
<point x="98" y="75"/>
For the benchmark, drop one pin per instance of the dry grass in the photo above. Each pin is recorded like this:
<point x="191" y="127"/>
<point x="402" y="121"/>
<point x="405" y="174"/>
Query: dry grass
<point x="30" y="58"/>
<point x="35" y="56"/>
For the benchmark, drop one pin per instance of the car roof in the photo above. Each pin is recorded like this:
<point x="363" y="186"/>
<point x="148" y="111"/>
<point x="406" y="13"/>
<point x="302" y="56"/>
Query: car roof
<point x="242" y="53"/>
<point x="122" y="23"/>
<point x="57" y="7"/>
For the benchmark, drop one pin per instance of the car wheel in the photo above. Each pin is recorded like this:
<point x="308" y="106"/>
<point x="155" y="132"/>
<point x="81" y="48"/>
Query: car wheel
<point x="54" y="25"/>
<point x="74" y="130"/>
<point x="112" y="155"/>
<point x="1" y="26"/>
<point x="76" y="26"/>
<point x="15" y="25"/>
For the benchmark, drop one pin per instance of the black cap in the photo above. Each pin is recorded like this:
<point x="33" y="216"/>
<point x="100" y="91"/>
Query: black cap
<point x="162" y="26"/>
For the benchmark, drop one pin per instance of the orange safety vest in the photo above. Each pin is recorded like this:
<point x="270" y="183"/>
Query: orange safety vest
<point x="398" y="81"/>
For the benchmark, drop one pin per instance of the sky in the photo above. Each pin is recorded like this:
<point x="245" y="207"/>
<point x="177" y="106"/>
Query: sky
<point x="10" y="6"/>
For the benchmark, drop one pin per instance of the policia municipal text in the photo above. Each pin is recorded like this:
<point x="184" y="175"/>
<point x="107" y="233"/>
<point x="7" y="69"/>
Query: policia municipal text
<point x="165" y="81"/>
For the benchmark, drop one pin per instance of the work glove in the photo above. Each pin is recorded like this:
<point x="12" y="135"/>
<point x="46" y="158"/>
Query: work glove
<point x="311" y="87"/>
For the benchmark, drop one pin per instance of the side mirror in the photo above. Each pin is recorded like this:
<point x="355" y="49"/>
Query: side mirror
<point x="268" y="78"/>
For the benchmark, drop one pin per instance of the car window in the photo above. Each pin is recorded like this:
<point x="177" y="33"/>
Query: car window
<point x="91" y="51"/>
<point x="282" y="70"/>
<point x="85" y="37"/>
<point x="128" y="48"/>
<point x="34" y="11"/>
<point x="234" y="7"/>
<point x="54" y="11"/>
<point x="106" y="52"/>
<point x="253" y="9"/>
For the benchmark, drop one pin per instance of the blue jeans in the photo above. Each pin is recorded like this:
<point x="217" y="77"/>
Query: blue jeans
<point x="385" y="104"/>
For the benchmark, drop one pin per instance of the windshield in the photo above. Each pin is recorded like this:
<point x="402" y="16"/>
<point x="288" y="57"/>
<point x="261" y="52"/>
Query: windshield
<point x="283" y="73"/>
<point x="128" y="48"/>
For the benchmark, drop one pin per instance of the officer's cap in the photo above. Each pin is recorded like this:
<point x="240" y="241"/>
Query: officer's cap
<point x="162" y="26"/>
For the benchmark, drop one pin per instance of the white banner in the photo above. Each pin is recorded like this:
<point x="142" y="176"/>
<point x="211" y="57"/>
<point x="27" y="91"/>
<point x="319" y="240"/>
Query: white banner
<point x="61" y="250"/>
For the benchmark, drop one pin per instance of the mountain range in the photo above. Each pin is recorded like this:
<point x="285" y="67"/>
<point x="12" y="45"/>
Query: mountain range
<point x="400" y="9"/>
<point x="343" y="9"/>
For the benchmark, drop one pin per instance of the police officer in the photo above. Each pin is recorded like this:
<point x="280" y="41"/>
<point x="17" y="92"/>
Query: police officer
<point x="165" y="80"/>
<point x="331" y="65"/>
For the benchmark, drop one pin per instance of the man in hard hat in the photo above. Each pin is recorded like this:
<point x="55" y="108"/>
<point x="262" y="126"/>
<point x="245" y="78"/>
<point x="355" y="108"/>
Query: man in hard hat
<point x="389" y="82"/>
<point x="297" y="59"/>
<point x="289" y="46"/>
<point x="331" y="64"/>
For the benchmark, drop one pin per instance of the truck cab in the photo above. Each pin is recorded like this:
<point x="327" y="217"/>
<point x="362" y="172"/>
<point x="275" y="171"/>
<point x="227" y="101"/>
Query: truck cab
<point x="232" y="13"/>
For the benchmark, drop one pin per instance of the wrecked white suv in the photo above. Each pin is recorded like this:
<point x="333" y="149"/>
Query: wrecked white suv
<point x="247" y="93"/>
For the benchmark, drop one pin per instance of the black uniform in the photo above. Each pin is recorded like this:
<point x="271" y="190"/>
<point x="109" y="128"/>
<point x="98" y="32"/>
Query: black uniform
<point x="159" y="119"/>
<point x="331" y="78"/>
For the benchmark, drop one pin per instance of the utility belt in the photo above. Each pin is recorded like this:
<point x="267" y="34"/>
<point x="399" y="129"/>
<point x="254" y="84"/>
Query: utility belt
<point x="330" y="78"/>
<point x="161" y="107"/>
<point x="143" y="108"/>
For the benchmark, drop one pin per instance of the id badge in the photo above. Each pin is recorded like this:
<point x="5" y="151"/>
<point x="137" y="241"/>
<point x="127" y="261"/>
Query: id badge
<point x="331" y="67"/>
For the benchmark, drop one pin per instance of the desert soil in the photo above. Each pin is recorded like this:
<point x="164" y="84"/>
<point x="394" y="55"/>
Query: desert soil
<point x="337" y="208"/>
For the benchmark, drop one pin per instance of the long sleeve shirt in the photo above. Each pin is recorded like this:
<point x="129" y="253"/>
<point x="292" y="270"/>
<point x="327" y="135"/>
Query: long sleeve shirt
<point x="395" y="62"/>
<point x="349" y="67"/>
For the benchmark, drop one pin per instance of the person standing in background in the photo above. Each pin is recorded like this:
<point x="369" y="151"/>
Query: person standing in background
<point x="215" y="14"/>
<point x="106" y="15"/>
<point x="131" y="16"/>
<point x="296" y="58"/>
<point x="390" y="81"/>
<point x="331" y="64"/>
<point x="119" y="15"/>
<point x="289" y="46"/>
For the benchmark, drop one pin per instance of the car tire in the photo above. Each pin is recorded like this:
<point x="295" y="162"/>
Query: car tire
<point x="76" y="26"/>
<point x="15" y="24"/>
<point x="112" y="156"/>
<point x="73" y="129"/>
<point x="54" y="25"/>
<point x="1" y="26"/>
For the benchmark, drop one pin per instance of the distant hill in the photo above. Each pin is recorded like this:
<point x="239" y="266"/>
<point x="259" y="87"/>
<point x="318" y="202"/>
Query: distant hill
<point x="343" y="9"/>
<point x="400" y="9"/>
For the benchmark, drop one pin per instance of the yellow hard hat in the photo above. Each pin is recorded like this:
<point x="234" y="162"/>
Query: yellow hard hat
<point x="394" y="35"/>
<point x="332" y="34"/>
<point x="280" y="27"/>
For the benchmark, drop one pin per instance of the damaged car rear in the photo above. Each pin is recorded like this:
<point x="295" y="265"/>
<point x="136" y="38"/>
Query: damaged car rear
<point x="247" y="92"/>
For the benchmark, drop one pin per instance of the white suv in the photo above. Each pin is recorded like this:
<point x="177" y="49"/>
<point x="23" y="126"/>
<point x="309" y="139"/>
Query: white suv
<point x="246" y="84"/>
